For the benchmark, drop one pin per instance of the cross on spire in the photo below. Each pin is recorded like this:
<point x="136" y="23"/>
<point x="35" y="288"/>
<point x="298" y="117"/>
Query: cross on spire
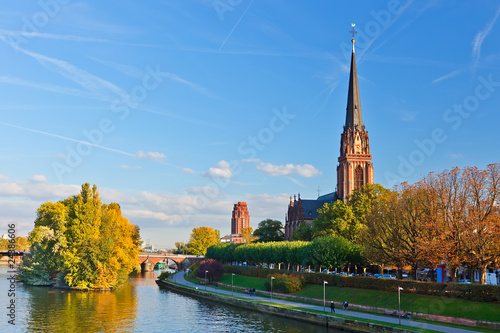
<point x="353" y="32"/>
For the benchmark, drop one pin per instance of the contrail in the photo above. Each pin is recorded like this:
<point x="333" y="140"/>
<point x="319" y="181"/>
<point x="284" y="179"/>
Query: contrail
<point x="68" y="139"/>
<point x="225" y="40"/>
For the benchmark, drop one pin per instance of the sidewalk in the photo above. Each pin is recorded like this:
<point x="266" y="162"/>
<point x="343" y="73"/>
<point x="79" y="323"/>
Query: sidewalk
<point x="179" y="278"/>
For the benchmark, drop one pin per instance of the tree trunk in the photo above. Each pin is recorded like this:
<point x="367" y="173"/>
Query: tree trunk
<point x="484" y="272"/>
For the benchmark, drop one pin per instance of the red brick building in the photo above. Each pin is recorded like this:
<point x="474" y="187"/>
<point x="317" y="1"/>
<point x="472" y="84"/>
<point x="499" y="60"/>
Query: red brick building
<point x="240" y="219"/>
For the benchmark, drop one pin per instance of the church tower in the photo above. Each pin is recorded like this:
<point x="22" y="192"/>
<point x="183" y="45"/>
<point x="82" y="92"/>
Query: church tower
<point x="355" y="167"/>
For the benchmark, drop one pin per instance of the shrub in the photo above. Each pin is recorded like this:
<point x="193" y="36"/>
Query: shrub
<point x="164" y="275"/>
<point x="285" y="283"/>
<point x="214" y="268"/>
<point x="473" y="292"/>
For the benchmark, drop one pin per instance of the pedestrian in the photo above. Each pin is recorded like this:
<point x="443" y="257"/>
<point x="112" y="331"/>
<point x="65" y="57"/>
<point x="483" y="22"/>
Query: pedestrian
<point x="345" y="305"/>
<point x="332" y="307"/>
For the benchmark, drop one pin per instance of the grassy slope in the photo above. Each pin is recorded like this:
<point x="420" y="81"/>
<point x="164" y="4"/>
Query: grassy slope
<point x="409" y="302"/>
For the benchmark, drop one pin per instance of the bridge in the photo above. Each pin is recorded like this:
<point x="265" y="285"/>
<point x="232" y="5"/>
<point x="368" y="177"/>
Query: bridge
<point x="149" y="260"/>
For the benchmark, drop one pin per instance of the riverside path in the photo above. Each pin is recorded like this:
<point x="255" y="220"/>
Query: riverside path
<point x="179" y="278"/>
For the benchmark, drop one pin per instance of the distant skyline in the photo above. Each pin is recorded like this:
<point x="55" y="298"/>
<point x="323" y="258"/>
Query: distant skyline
<point x="178" y="110"/>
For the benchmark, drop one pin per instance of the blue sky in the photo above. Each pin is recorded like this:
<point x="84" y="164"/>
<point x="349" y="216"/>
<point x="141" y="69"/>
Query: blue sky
<point x="192" y="106"/>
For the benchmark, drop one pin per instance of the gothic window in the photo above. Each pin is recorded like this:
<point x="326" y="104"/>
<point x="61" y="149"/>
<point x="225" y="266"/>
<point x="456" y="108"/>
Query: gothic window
<point x="358" y="177"/>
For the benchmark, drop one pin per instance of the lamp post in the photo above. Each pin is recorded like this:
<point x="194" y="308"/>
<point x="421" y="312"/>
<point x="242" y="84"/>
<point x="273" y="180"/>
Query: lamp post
<point x="399" y="304"/>
<point x="206" y="280"/>
<point x="272" y="278"/>
<point x="324" y="284"/>
<point x="232" y="278"/>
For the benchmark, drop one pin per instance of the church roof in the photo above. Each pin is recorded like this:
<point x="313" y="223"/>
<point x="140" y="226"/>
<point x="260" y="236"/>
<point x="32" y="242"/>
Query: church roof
<point x="311" y="208"/>
<point x="329" y="197"/>
<point x="353" y="114"/>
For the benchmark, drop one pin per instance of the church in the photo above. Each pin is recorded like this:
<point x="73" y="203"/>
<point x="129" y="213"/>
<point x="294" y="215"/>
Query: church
<point x="355" y="167"/>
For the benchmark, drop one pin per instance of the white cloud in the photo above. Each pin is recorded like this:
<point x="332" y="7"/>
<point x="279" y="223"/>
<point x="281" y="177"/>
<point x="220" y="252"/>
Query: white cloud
<point x="155" y="156"/>
<point x="149" y="215"/>
<point x="39" y="178"/>
<point x="130" y="167"/>
<point x="263" y="206"/>
<point x="223" y="170"/>
<point x="305" y="170"/>
<point x="453" y="155"/>
<point x="187" y="170"/>
<point x="37" y="188"/>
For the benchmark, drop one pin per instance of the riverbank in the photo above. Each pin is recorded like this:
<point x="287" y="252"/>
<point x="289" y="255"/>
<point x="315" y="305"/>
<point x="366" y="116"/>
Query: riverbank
<point x="346" y="320"/>
<point x="431" y="308"/>
<point x="289" y="313"/>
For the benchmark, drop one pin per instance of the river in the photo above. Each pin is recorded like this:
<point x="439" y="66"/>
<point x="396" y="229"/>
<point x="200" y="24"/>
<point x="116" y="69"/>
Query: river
<point x="138" y="306"/>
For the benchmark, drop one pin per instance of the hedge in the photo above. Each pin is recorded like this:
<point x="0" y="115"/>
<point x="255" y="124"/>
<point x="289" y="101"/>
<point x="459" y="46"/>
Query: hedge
<point x="472" y="292"/>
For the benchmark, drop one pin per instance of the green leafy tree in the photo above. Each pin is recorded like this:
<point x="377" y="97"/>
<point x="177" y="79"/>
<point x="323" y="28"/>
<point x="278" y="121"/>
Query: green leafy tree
<point x="337" y="219"/>
<point x="269" y="231"/>
<point x="180" y="248"/>
<point x="334" y="251"/>
<point x="81" y="243"/>
<point x="303" y="233"/>
<point x="201" y="239"/>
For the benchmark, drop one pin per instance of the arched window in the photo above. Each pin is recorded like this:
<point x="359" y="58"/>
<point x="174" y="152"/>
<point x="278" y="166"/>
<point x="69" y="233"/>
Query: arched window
<point x="358" y="177"/>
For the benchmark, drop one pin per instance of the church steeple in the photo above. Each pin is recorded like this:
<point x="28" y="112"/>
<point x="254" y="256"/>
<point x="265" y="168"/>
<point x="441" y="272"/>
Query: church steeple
<point x="353" y="115"/>
<point x="355" y="168"/>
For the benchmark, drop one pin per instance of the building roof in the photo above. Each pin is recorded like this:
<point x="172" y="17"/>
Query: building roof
<point x="311" y="208"/>
<point x="353" y="115"/>
<point x="329" y="197"/>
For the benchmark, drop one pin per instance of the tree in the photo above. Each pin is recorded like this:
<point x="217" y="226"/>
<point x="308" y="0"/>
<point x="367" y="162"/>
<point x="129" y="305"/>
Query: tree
<point x="304" y="232"/>
<point x="81" y="243"/>
<point x="247" y="234"/>
<point x="21" y="244"/>
<point x="201" y="239"/>
<point x="270" y="231"/>
<point x="337" y="219"/>
<point x="482" y="222"/>
<point x="180" y="248"/>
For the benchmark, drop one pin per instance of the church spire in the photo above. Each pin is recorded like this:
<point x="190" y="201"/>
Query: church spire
<point x="355" y="167"/>
<point x="354" y="116"/>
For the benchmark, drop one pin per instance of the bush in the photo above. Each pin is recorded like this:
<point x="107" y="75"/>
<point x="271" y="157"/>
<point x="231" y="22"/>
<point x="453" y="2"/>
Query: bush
<point x="214" y="268"/>
<point x="472" y="292"/>
<point x="164" y="275"/>
<point x="285" y="283"/>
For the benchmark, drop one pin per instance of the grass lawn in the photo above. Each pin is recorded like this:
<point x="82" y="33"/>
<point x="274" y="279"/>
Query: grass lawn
<point x="409" y="302"/>
<point x="244" y="281"/>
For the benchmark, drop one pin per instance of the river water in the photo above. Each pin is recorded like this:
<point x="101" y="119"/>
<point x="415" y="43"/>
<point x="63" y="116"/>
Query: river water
<point x="138" y="306"/>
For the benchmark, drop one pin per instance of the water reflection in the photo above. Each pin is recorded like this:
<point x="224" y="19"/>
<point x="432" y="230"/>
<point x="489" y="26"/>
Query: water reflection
<point x="138" y="306"/>
<point x="58" y="310"/>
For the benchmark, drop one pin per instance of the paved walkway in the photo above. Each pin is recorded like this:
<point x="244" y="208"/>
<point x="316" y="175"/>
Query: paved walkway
<point x="179" y="278"/>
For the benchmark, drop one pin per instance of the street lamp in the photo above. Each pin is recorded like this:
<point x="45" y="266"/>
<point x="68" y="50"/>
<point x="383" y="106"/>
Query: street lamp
<point x="399" y="304"/>
<point x="206" y="280"/>
<point x="272" y="278"/>
<point x="232" y="278"/>
<point x="324" y="284"/>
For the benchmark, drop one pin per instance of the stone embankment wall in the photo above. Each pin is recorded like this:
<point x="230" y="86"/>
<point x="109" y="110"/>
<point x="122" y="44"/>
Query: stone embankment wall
<point x="312" y="318"/>
<point x="384" y="311"/>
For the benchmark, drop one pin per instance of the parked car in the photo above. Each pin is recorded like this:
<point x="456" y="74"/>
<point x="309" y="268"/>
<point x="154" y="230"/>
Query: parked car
<point x="331" y="271"/>
<point x="464" y="281"/>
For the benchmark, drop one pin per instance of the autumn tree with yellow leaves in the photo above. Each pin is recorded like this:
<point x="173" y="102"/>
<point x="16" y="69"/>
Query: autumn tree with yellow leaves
<point x="81" y="243"/>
